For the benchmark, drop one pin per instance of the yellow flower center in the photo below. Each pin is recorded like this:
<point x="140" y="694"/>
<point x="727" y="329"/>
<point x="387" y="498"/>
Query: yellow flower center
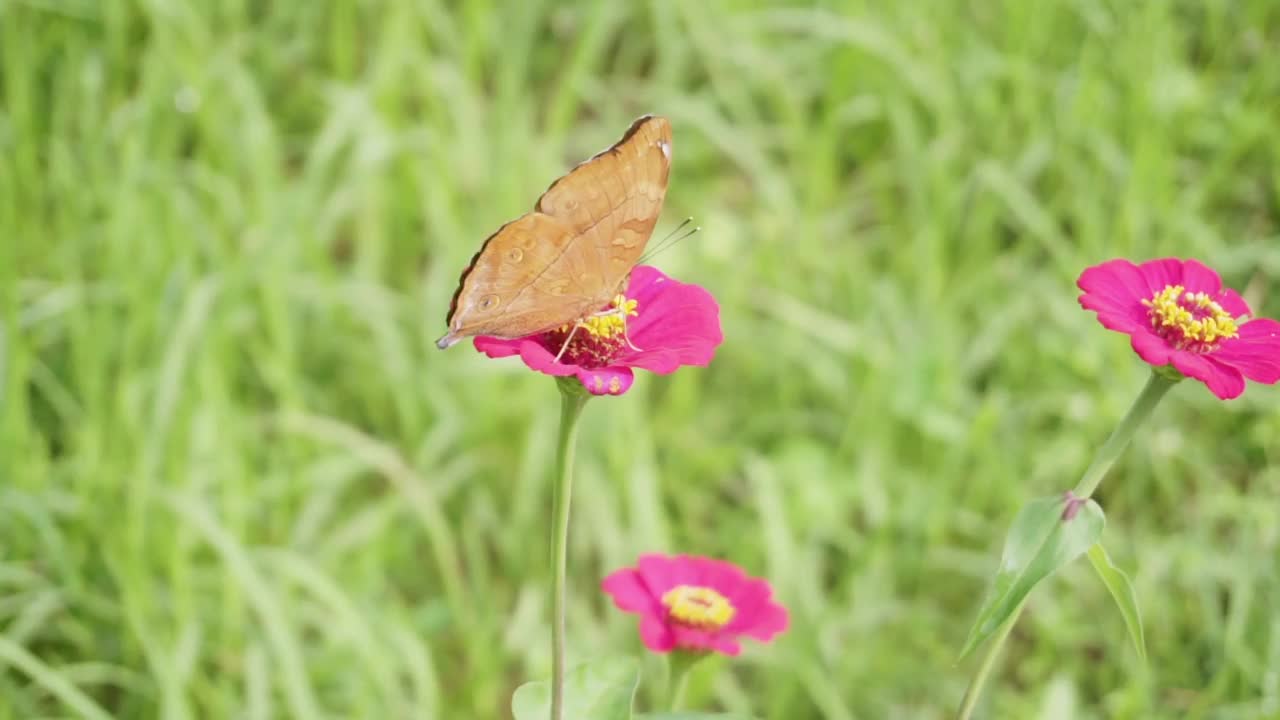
<point x="698" y="607"/>
<point x="608" y="323"/>
<point x="594" y="340"/>
<point x="1191" y="321"/>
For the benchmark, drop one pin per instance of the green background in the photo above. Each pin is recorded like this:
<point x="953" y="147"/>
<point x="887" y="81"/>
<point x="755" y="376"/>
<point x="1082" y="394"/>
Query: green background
<point x="238" y="480"/>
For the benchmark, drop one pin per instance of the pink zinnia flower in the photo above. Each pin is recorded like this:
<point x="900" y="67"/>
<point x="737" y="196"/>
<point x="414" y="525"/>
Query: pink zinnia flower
<point x="695" y="603"/>
<point x="657" y="324"/>
<point x="1177" y="313"/>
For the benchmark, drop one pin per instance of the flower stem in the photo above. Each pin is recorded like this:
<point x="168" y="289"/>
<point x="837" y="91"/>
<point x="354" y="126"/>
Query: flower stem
<point x="679" y="668"/>
<point x="1157" y="385"/>
<point x="571" y="404"/>
<point x="974" y="691"/>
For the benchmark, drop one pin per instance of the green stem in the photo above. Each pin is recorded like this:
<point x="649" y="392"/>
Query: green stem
<point x="1157" y="385"/>
<point x="571" y="403"/>
<point x="974" y="691"/>
<point x="679" y="670"/>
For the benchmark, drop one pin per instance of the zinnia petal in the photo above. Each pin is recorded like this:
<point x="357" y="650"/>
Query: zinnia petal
<point x="720" y="574"/>
<point x="1231" y="301"/>
<point x="1161" y="274"/>
<point x="1151" y="347"/>
<point x="1197" y="277"/>
<point x="1256" y="352"/>
<point x="629" y="592"/>
<point x="1120" y="322"/>
<point x="534" y="355"/>
<point x="681" y="326"/>
<point x="1115" y="286"/>
<point x="1225" y="382"/>
<point x="726" y="644"/>
<point x="695" y="639"/>
<point x="541" y="359"/>
<point x="750" y="599"/>
<point x="771" y="620"/>
<point x="498" y="347"/>
<point x="656" y="635"/>
<point x="605" y="381"/>
<point x="661" y="573"/>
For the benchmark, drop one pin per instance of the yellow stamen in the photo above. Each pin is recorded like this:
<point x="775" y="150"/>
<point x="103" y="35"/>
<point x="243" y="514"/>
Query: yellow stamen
<point x="609" y="323"/>
<point x="1171" y="313"/>
<point x="698" y="607"/>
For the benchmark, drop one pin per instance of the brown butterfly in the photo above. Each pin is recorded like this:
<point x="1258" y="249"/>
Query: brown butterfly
<point x="569" y="257"/>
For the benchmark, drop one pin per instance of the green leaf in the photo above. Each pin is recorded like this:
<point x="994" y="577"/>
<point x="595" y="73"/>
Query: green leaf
<point x="1122" y="592"/>
<point x="599" y="690"/>
<point x="1046" y="534"/>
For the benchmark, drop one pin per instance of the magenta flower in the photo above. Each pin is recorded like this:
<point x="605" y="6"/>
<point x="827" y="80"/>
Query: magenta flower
<point x="658" y="324"/>
<point x="1177" y="313"/>
<point x="695" y="603"/>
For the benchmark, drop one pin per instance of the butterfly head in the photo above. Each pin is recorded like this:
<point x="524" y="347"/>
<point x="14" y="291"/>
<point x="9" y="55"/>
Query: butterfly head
<point x="469" y="317"/>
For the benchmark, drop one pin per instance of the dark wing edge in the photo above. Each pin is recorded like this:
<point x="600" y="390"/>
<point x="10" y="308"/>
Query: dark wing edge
<point x="636" y="125"/>
<point x="462" y="279"/>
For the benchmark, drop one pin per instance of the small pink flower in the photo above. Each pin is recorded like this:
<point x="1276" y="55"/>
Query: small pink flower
<point x="695" y="603"/>
<point x="1177" y="313"/>
<point x="658" y="324"/>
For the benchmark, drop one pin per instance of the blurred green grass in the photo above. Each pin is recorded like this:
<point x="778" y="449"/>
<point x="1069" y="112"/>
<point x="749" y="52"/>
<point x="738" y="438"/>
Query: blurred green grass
<point x="239" y="481"/>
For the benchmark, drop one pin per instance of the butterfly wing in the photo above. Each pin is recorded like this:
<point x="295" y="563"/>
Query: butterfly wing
<point x="506" y="289"/>
<point x="568" y="257"/>
<point x="613" y="201"/>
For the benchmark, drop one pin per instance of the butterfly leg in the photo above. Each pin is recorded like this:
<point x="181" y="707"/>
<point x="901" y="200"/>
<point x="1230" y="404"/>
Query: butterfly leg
<point x="622" y="313"/>
<point x="568" y="340"/>
<point x="627" y="338"/>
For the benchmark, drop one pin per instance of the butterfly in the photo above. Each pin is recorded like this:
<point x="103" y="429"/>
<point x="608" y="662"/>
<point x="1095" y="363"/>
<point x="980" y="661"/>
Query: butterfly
<point x="572" y="254"/>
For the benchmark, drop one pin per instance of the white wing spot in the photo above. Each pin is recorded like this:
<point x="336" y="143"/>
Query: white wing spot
<point x="666" y="148"/>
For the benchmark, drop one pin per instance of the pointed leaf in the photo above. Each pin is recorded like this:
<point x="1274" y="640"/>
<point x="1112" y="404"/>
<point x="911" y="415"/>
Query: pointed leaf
<point x="600" y="690"/>
<point x="1123" y="593"/>
<point x="1046" y="534"/>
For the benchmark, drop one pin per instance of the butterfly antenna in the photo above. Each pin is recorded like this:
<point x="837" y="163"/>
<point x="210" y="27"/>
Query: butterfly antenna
<point x="672" y="238"/>
<point x="675" y="241"/>
<point x="679" y="227"/>
<point x="666" y="239"/>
